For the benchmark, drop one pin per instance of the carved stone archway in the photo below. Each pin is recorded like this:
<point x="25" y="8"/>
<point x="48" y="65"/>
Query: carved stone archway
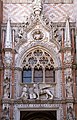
<point x="38" y="115"/>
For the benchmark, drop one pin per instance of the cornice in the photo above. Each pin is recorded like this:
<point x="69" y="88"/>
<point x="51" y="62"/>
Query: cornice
<point x="58" y="24"/>
<point x="54" y="101"/>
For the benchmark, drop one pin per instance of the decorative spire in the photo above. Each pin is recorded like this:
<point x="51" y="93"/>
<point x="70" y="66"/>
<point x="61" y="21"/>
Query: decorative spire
<point x="8" y="40"/>
<point x="37" y="6"/>
<point x="67" y="34"/>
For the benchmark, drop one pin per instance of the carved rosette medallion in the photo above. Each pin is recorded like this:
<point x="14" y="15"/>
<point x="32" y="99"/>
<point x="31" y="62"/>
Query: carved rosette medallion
<point x="37" y="35"/>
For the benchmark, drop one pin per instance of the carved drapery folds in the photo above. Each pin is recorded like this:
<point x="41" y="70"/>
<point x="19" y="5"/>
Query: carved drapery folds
<point x="6" y="87"/>
<point x="69" y="87"/>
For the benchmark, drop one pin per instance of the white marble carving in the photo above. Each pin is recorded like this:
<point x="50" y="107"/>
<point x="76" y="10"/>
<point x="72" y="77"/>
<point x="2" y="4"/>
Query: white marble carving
<point x="8" y="59"/>
<point x="24" y="92"/>
<point x="6" y="88"/>
<point x="5" y="112"/>
<point x="8" y="40"/>
<point x="38" y="35"/>
<point x="67" y="41"/>
<point x="70" y="113"/>
<point x="37" y="6"/>
<point x="69" y="87"/>
<point x="68" y="57"/>
<point x="36" y="92"/>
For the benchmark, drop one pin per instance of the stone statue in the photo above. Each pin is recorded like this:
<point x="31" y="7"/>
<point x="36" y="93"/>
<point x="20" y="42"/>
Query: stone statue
<point x="48" y="93"/>
<point x="36" y="90"/>
<point x="69" y="87"/>
<point x="32" y="93"/>
<point x="6" y="88"/>
<point x="40" y="91"/>
<point x="37" y="6"/>
<point x="70" y="115"/>
<point x="5" y="114"/>
<point x="24" y="92"/>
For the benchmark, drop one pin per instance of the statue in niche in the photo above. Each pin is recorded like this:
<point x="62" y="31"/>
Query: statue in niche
<point x="70" y="114"/>
<point x="7" y="88"/>
<point x="37" y="6"/>
<point x="5" y="114"/>
<point x="57" y="34"/>
<point x="69" y="87"/>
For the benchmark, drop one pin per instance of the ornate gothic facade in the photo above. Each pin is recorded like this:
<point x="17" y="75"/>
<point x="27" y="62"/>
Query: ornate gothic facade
<point x="38" y="67"/>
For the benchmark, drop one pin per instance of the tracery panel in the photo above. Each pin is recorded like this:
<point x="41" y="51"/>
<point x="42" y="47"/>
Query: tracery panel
<point x="42" y="67"/>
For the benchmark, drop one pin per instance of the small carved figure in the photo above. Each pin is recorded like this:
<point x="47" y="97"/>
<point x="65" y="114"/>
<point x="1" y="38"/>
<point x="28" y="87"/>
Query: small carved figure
<point x="24" y="92"/>
<point x="32" y="94"/>
<point x="69" y="87"/>
<point x="37" y="5"/>
<point x="70" y="115"/>
<point x="20" y="34"/>
<point x="36" y="90"/>
<point x="38" y="35"/>
<point x="5" y="114"/>
<point x="7" y="88"/>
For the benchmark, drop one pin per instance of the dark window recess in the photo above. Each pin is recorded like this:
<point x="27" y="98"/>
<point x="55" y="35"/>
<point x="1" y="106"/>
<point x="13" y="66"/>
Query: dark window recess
<point x="49" y="75"/>
<point x="38" y="75"/>
<point x="27" y="76"/>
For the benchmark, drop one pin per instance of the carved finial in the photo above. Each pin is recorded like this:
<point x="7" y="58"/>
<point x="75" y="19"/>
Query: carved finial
<point x="67" y="33"/>
<point x="8" y="41"/>
<point x="37" y="6"/>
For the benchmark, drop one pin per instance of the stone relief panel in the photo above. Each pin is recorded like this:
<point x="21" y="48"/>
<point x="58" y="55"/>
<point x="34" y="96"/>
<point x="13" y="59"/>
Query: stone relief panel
<point x="37" y="91"/>
<point x="68" y="57"/>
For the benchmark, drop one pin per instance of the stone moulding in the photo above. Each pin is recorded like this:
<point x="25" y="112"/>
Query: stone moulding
<point x="20" y="101"/>
<point x="46" y="1"/>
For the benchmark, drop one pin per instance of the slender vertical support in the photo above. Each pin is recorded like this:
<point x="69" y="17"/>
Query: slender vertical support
<point x="12" y="67"/>
<point x="74" y="72"/>
<point x="32" y="74"/>
<point x="63" y="80"/>
<point x="2" y="75"/>
<point x="13" y="57"/>
<point x="2" y="71"/>
<point x="43" y="75"/>
<point x="73" y="62"/>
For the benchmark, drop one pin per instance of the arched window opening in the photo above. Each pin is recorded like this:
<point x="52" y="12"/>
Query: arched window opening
<point x="38" y="67"/>
<point x="49" y="75"/>
<point x="27" y="75"/>
<point x="38" y="75"/>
